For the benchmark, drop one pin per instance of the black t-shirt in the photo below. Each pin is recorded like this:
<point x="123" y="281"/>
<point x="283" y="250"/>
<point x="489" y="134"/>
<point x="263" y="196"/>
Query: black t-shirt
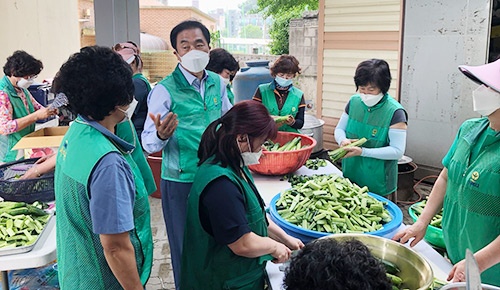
<point x="399" y="116"/>
<point x="222" y="211"/>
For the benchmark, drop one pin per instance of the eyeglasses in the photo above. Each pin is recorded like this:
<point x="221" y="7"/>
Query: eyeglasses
<point x="31" y="78"/>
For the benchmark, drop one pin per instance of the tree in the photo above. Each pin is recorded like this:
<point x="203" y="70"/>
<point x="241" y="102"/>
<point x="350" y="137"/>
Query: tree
<point x="215" y="39"/>
<point x="251" y="31"/>
<point x="282" y="11"/>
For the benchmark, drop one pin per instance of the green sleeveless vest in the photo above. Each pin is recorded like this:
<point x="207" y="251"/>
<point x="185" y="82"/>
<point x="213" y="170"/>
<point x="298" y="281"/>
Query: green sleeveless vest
<point x="212" y="266"/>
<point x="230" y="94"/>
<point x="142" y="77"/>
<point x="290" y="107"/>
<point x="471" y="215"/>
<point x="18" y="111"/>
<point x="180" y="155"/>
<point x="81" y="261"/>
<point x="380" y="176"/>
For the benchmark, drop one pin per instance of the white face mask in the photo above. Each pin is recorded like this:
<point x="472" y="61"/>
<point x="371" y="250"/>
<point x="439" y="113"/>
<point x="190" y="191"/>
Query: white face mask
<point x="131" y="108"/>
<point x="195" y="60"/>
<point x="250" y="158"/>
<point x="126" y="118"/>
<point x="371" y="100"/>
<point x="226" y="80"/>
<point x="24" y="83"/>
<point x="485" y="101"/>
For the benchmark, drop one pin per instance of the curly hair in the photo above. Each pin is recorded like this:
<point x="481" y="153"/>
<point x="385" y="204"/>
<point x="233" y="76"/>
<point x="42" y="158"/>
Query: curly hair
<point x="185" y="25"/>
<point x="95" y="80"/>
<point x="21" y="64"/>
<point x="219" y="139"/>
<point x="373" y="71"/>
<point x="328" y="264"/>
<point x="221" y="59"/>
<point x="286" y="64"/>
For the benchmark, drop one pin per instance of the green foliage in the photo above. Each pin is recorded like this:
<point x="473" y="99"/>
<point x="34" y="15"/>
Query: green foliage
<point x="215" y="39"/>
<point x="279" y="32"/>
<point x="282" y="11"/>
<point x="251" y="31"/>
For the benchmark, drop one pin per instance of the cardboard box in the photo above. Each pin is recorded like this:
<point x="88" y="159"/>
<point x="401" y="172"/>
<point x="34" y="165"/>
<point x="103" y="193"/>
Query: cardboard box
<point x="41" y="142"/>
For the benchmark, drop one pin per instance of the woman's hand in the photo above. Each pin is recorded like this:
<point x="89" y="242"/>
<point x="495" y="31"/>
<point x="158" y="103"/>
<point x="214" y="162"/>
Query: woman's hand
<point x="290" y="120"/>
<point x="293" y="243"/>
<point x="281" y="254"/>
<point x="41" y="167"/>
<point x="415" y="231"/>
<point x="44" y="113"/>
<point x="346" y="142"/>
<point x="353" y="151"/>
<point x="457" y="273"/>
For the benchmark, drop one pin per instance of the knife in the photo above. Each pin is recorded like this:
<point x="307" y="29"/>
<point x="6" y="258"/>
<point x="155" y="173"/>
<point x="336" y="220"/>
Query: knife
<point x="473" y="277"/>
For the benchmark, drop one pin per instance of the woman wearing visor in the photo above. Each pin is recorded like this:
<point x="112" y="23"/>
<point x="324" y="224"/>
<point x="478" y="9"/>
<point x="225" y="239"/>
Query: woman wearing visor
<point x="18" y="109"/>
<point x="468" y="187"/>
<point x="104" y="238"/>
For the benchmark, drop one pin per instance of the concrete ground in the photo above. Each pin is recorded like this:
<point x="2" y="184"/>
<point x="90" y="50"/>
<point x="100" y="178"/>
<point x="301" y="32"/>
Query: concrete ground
<point x="162" y="276"/>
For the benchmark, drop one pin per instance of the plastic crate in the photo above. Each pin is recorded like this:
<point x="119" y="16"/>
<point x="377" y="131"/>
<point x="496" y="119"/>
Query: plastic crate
<point x="26" y="190"/>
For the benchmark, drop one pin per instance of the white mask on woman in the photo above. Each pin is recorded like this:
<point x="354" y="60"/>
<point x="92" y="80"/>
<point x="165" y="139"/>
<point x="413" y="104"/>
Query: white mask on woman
<point x="24" y="83"/>
<point x="250" y="158"/>
<point x="371" y="100"/>
<point x="226" y="80"/>
<point x="195" y="60"/>
<point x="485" y="101"/>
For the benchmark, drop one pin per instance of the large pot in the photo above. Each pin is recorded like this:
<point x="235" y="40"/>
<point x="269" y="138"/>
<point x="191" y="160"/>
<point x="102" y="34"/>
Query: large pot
<point x="313" y="127"/>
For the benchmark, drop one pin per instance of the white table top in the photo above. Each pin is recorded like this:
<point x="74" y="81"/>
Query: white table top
<point x="269" y="186"/>
<point x="42" y="253"/>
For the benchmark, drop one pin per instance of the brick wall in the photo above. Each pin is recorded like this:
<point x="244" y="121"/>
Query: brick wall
<point x="159" y="21"/>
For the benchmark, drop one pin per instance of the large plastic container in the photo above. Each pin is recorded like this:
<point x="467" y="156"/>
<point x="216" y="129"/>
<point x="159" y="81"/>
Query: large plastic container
<point x="154" y="161"/>
<point x="433" y="235"/>
<point x="388" y="230"/>
<point x="284" y="162"/>
<point x="248" y="79"/>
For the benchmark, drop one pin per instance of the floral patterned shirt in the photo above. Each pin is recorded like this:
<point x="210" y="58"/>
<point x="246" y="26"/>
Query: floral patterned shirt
<point x="8" y="125"/>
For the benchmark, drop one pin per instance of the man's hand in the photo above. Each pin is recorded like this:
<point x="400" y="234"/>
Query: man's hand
<point x="165" y="127"/>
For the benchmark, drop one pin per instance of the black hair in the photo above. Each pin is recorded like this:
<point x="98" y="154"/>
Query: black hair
<point x="219" y="139"/>
<point x="21" y="64"/>
<point x="95" y="80"/>
<point x="373" y="71"/>
<point x="328" y="264"/>
<point x="221" y="59"/>
<point x="286" y="64"/>
<point x="185" y="25"/>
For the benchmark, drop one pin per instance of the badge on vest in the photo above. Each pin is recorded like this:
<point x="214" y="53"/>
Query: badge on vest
<point x="294" y="109"/>
<point x="374" y="132"/>
<point x="473" y="179"/>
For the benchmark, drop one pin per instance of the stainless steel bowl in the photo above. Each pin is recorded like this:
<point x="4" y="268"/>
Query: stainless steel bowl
<point x="416" y="272"/>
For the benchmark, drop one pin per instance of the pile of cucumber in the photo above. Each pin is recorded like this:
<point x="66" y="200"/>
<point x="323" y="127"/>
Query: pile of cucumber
<point x="21" y="223"/>
<point x="294" y="144"/>
<point x="315" y="164"/>
<point x="331" y="204"/>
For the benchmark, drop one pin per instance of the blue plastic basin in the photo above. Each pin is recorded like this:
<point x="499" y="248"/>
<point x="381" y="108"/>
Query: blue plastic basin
<point x="388" y="230"/>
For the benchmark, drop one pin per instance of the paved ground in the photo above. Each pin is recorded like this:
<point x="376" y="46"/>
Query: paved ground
<point x="162" y="276"/>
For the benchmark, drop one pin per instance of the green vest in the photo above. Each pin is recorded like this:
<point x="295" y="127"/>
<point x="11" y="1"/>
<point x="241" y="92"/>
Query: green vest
<point x="142" y="77"/>
<point x="18" y="111"/>
<point x="380" y="176"/>
<point x="180" y="155"/>
<point x="471" y="215"/>
<point x="81" y="260"/>
<point x="290" y="107"/>
<point x="209" y="265"/>
<point x="230" y="94"/>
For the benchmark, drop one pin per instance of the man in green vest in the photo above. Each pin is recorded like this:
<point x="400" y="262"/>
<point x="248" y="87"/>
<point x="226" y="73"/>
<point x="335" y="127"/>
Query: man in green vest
<point x="181" y="106"/>
<point x="18" y="109"/>
<point x="281" y="97"/>
<point x="373" y="114"/>
<point x="468" y="186"/>
<point x="102" y="180"/>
